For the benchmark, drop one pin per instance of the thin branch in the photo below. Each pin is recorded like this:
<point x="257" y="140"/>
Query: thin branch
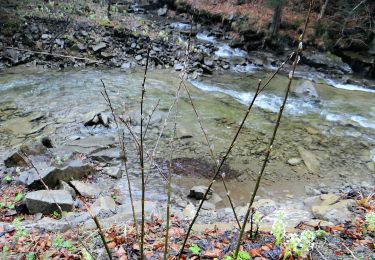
<point x="122" y="145"/>
<point x="212" y="153"/>
<point x="219" y="168"/>
<point x="169" y="188"/>
<point x="270" y="146"/>
<point x="141" y="156"/>
<point x="150" y="117"/>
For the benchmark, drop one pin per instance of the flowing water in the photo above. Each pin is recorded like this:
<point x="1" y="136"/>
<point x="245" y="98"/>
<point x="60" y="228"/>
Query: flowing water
<point x="338" y="130"/>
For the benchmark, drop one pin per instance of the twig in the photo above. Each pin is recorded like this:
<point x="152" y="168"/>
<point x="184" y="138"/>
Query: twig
<point x="141" y="157"/>
<point x="320" y="253"/>
<point x="219" y="167"/>
<point x="150" y="116"/>
<point x="270" y="146"/>
<point x="170" y="177"/>
<point x="212" y="153"/>
<point x="350" y="251"/>
<point x="122" y="145"/>
<point x="54" y="54"/>
<point x="100" y="230"/>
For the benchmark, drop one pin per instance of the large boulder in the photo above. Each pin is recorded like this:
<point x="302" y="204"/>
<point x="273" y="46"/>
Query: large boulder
<point x="325" y="61"/>
<point x="51" y="176"/>
<point x="307" y="91"/>
<point x="44" y="201"/>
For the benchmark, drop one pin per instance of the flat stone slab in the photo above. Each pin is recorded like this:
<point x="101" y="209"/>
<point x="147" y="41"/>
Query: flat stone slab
<point x="51" y="176"/>
<point x="44" y="201"/>
<point x="124" y="215"/>
<point x="86" y="189"/>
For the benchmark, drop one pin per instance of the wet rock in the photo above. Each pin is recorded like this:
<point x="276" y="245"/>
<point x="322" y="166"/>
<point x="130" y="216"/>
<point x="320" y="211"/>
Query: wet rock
<point x="72" y="219"/>
<point x="15" y="160"/>
<point x="311" y="161"/>
<point x="163" y="11"/>
<point x="126" y="66"/>
<point x="103" y="204"/>
<point x="319" y="223"/>
<point x="51" y="176"/>
<point x="312" y="191"/>
<point x="265" y="206"/>
<point x="208" y="62"/>
<point x="47" y="142"/>
<point x="337" y="213"/>
<point x="98" y="47"/>
<point x="44" y="201"/>
<point x="215" y="198"/>
<point x="208" y="206"/>
<point x="98" y="119"/>
<point x="45" y="36"/>
<point x="178" y="67"/>
<point x="197" y="192"/>
<point x="294" y="161"/>
<point x="124" y="215"/>
<point x="307" y="91"/>
<point x="79" y="47"/>
<point x="325" y="61"/>
<point x="114" y="172"/>
<point x="66" y="187"/>
<point x="106" y="155"/>
<point x="88" y="145"/>
<point x="86" y="189"/>
<point x="329" y="207"/>
<point x="189" y="211"/>
<point x="12" y="56"/>
<point x="106" y="55"/>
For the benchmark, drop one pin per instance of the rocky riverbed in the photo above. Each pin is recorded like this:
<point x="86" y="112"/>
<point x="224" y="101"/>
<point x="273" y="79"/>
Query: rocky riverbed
<point x="52" y="113"/>
<point x="311" y="162"/>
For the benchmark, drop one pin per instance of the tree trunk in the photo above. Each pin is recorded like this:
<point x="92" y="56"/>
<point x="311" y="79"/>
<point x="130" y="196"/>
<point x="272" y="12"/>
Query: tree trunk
<point x="323" y="10"/>
<point x="276" y="18"/>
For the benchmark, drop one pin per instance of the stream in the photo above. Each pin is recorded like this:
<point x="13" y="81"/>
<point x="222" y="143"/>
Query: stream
<point x="338" y="131"/>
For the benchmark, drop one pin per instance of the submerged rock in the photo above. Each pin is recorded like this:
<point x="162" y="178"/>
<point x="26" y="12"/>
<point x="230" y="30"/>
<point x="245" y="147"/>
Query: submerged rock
<point x="294" y="161"/>
<point x="98" y="119"/>
<point x="44" y="201"/>
<point x="197" y="192"/>
<point x="307" y="91"/>
<point x="311" y="161"/>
